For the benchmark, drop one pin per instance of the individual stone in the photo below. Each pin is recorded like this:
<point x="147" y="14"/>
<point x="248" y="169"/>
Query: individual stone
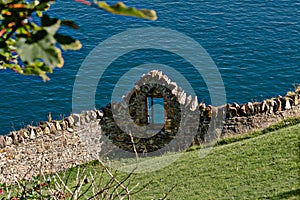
<point x="57" y="125"/>
<point x="38" y="131"/>
<point x="70" y="121"/>
<point x="146" y="79"/>
<point x="63" y="125"/>
<point x="233" y="112"/>
<point x="24" y="133"/>
<point x="208" y="112"/>
<point x="87" y="118"/>
<point x="174" y="88"/>
<point x="93" y="114"/>
<point x="287" y="104"/>
<point x="264" y="107"/>
<point x="160" y="75"/>
<point x="15" y="137"/>
<point x="279" y="103"/>
<point x="82" y="121"/>
<point x="32" y="134"/>
<point x="182" y="98"/>
<point x="2" y="142"/>
<point x="167" y="79"/>
<point x="242" y="110"/>
<point x="273" y="106"/>
<point x="8" y="141"/>
<point x="249" y="108"/>
<point x="46" y="130"/>
<point x="296" y="100"/>
<point x="71" y="130"/>
<point x="271" y="103"/>
<point x="153" y="73"/>
<point x="235" y="105"/>
<point x="194" y="104"/>
<point x="202" y="106"/>
<point x="256" y="106"/>
<point x="21" y="139"/>
<point x="76" y="118"/>
<point x="51" y="126"/>
<point x="188" y="100"/>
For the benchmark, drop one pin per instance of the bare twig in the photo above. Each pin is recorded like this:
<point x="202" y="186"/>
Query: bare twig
<point x="62" y="182"/>
<point x="146" y="185"/>
<point x="166" y="195"/>
<point x="134" y="149"/>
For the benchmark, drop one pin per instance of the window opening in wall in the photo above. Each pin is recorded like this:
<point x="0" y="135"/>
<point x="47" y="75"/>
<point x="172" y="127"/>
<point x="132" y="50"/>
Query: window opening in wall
<point x="156" y="110"/>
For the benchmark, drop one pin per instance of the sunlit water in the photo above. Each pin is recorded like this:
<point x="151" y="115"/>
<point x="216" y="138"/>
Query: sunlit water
<point x="255" y="45"/>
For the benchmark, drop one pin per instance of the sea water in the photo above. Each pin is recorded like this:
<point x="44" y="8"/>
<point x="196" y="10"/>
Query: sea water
<point x="255" y="45"/>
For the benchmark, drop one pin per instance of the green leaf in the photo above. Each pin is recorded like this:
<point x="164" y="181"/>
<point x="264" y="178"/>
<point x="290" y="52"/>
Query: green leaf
<point x="42" y="6"/>
<point x="43" y="49"/>
<point x="39" y="13"/>
<point x="47" y="21"/>
<point x="69" y="23"/>
<point x="38" y="68"/>
<point x="67" y="42"/>
<point x="22" y="30"/>
<point x="39" y="35"/>
<point x="121" y="9"/>
<point x="50" y="24"/>
<point x="15" y="67"/>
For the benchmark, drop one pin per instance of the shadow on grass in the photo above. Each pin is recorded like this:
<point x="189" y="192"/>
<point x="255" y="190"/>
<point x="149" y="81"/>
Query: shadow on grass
<point x="286" y="195"/>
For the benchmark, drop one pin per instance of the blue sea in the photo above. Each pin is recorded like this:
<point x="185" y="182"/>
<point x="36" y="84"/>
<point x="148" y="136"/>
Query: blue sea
<point x="255" y="45"/>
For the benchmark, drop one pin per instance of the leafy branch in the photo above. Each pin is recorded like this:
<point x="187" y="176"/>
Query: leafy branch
<point x="34" y="48"/>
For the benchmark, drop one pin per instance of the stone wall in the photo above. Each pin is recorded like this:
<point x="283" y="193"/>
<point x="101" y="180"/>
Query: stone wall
<point x="50" y="147"/>
<point x="234" y="118"/>
<point x="131" y="116"/>
<point x="60" y="144"/>
<point x="261" y="120"/>
<point x="250" y="116"/>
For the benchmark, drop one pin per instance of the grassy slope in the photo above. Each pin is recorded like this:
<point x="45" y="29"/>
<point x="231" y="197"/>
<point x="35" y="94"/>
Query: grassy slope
<point x="263" y="167"/>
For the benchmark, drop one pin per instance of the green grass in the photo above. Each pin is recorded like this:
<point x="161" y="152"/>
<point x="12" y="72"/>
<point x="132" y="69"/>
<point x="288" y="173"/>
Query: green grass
<point x="265" y="167"/>
<point x="261" y="165"/>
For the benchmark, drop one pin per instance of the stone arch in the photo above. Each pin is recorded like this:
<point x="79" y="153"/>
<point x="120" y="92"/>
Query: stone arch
<point x="133" y="107"/>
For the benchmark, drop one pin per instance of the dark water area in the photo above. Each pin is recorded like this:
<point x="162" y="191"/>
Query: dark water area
<point x="255" y="45"/>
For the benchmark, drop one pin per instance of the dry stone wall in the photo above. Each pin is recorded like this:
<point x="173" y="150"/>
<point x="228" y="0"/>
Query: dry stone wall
<point x="259" y="115"/>
<point x="60" y="144"/>
<point x="50" y="147"/>
<point x="251" y="116"/>
<point x="234" y="118"/>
